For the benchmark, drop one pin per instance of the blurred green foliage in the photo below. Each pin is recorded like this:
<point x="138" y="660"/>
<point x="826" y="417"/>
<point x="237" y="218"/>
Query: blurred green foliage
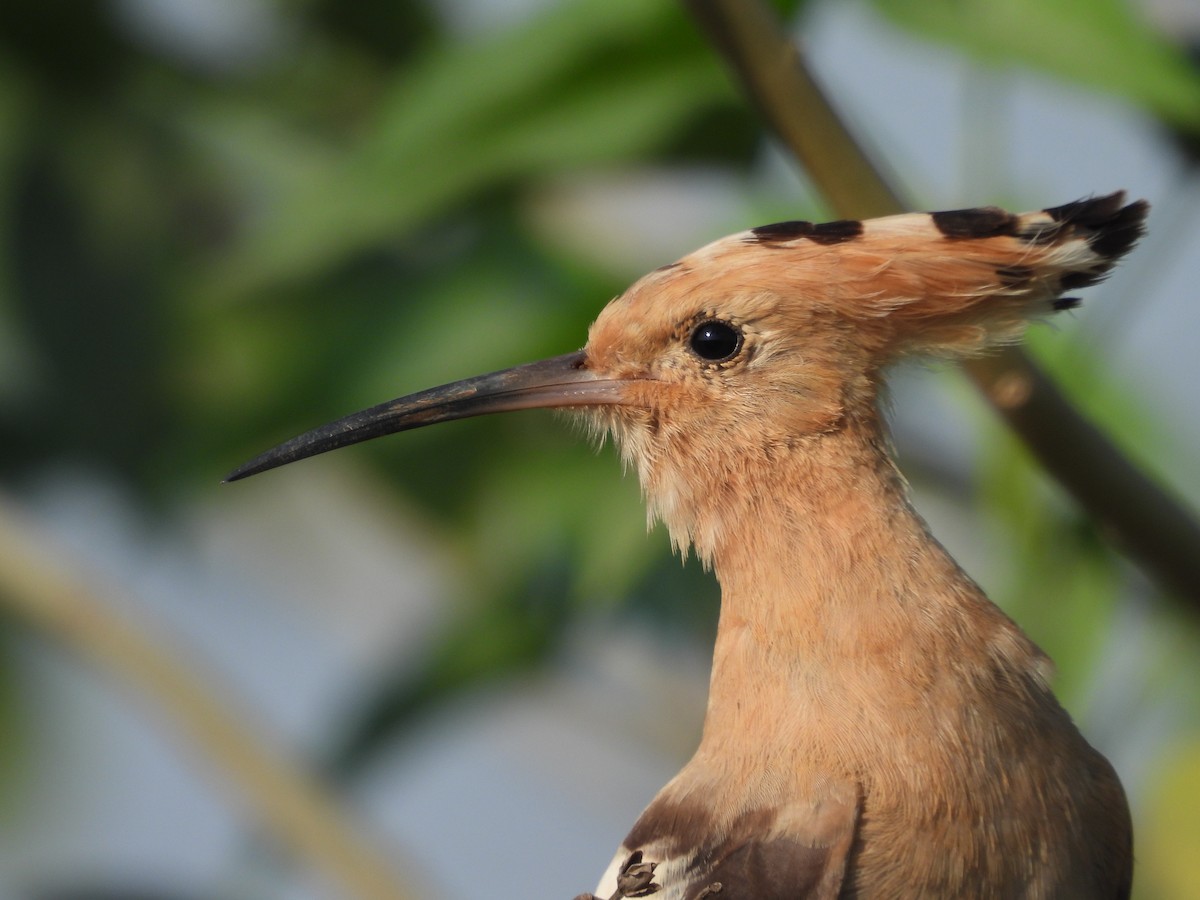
<point x="1103" y="44"/>
<point x="201" y="258"/>
<point x="200" y="255"/>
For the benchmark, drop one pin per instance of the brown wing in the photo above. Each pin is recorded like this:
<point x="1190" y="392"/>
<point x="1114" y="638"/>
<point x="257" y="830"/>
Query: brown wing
<point x="764" y="854"/>
<point x="771" y="870"/>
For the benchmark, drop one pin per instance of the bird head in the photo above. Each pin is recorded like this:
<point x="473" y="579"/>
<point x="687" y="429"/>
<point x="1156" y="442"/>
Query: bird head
<point x="763" y="343"/>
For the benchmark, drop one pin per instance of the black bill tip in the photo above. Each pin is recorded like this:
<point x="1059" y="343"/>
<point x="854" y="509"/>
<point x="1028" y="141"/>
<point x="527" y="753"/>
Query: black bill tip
<point x="558" y="382"/>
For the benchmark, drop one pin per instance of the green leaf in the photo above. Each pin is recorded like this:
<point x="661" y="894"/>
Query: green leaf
<point x="1103" y="44"/>
<point x="1170" y="826"/>
<point x="540" y="99"/>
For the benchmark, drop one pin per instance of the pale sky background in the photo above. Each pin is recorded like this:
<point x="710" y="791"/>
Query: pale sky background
<point x="528" y="790"/>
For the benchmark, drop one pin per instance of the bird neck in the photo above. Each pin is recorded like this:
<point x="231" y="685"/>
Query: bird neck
<point x="832" y="541"/>
<point x="834" y="594"/>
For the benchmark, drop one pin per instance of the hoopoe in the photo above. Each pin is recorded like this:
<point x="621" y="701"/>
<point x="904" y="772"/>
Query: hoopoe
<point x="876" y="727"/>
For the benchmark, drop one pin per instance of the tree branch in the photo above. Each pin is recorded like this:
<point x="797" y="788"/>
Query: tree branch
<point x="1136" y="513"/>
<point x="294" y="808"/>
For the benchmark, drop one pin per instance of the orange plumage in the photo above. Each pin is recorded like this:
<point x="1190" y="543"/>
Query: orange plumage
<point x="876" y="727"/>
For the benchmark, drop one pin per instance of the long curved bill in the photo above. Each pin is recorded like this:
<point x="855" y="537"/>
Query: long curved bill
<point x="561" y="381"/>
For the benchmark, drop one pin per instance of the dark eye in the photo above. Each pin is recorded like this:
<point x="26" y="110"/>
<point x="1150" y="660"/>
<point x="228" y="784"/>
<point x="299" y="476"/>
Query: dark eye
<point x="715" y="341"/>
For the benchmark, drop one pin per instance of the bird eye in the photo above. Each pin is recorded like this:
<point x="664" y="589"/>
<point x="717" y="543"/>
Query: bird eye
<point x="715" y="341"/>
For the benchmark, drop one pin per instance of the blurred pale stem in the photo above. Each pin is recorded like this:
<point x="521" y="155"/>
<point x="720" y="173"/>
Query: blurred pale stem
<point x="295" y="809"/>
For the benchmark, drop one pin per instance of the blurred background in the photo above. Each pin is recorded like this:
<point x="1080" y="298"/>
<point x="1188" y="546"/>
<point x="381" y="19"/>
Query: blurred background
<point x="225" y="221"/>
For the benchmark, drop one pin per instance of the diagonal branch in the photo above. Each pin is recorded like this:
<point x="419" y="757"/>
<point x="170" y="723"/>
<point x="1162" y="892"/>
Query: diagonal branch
<point x="1136" y="513"/>
<point x="298" y="812"/>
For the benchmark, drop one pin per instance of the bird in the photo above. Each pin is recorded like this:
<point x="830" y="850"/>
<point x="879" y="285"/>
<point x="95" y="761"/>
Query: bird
<point x="876" y="727"/>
